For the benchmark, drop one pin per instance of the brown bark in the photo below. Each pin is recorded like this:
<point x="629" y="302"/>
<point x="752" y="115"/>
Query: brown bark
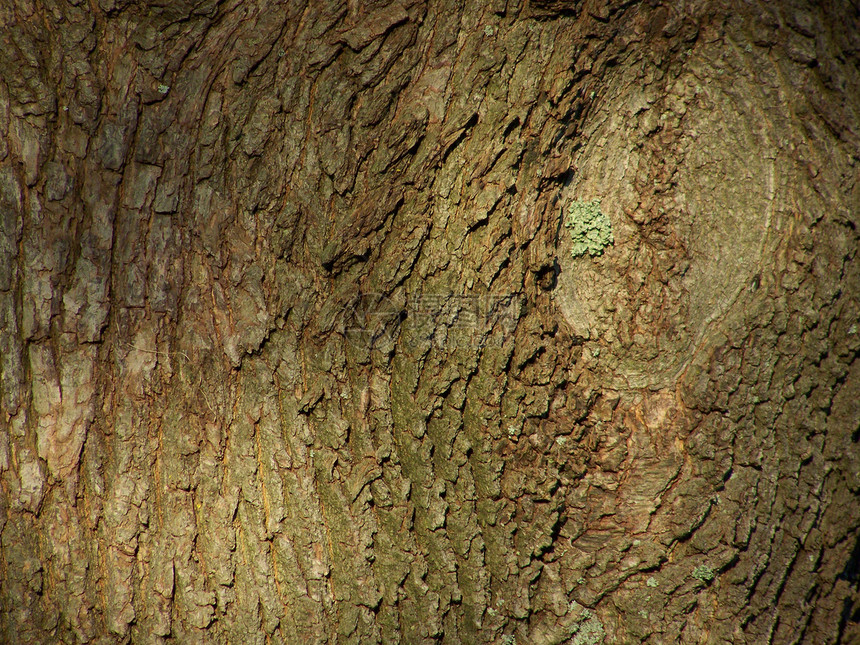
<point x="295" y="347"/>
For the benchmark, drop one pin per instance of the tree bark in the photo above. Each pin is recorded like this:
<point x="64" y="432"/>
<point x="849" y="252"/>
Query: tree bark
<point x="296" y="348"/>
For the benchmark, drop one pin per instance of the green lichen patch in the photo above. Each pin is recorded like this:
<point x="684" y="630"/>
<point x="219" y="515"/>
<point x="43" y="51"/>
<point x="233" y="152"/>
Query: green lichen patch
<point x="590" y="229"/>
<point x="590" y="632"/>
<point x="704" y="573"/>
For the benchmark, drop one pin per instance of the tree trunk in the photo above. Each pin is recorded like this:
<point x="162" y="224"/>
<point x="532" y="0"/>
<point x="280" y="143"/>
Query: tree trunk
<point x="303" y="342"/>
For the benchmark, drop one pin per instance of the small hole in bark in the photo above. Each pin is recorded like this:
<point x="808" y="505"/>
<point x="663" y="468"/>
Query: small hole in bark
<point x="755" y="283"/>
<point x="547" y="276"/>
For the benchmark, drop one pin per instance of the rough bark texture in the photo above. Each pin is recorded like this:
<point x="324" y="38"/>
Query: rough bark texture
<point x="295" y="349"/>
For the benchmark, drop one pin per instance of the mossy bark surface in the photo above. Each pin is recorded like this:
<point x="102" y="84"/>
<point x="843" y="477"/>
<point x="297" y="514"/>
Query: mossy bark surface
<point x="294" y="348"/>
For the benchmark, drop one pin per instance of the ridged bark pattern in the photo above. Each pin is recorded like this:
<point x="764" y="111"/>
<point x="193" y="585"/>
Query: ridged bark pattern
<point x="294" y="348"/>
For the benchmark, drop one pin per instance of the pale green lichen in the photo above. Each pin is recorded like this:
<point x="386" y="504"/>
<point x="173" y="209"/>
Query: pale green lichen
<point x="590" y="631"/>
<point x="590" y="229"/>
<point x="704" y="573"/>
